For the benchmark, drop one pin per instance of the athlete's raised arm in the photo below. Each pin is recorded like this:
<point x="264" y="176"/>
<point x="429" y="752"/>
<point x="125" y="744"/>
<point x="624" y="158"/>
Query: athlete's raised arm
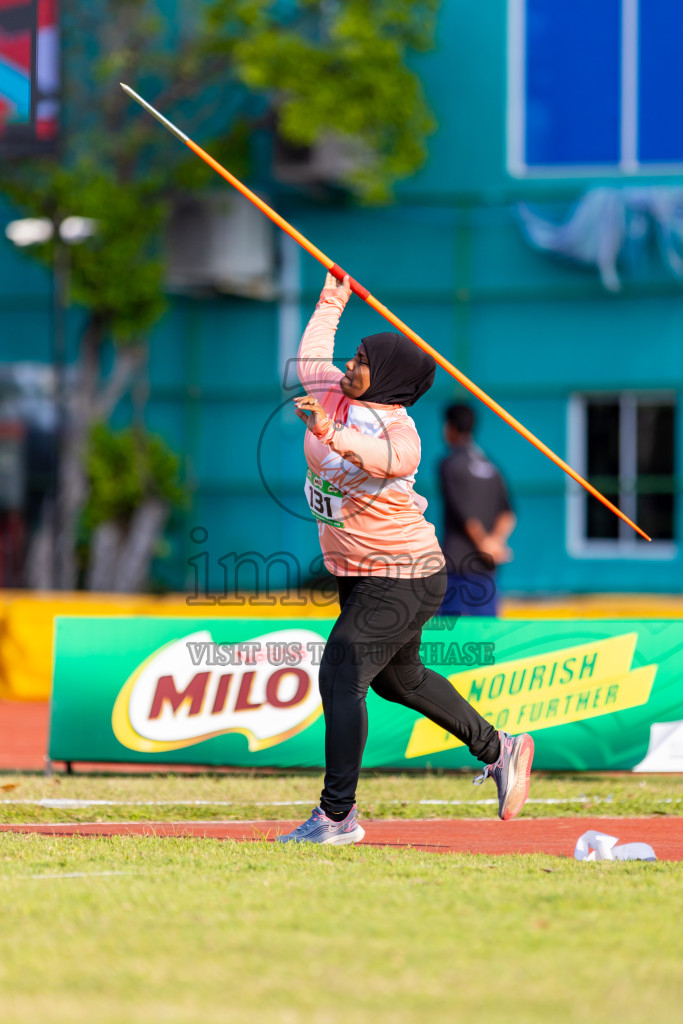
<point x="316" y="370"/>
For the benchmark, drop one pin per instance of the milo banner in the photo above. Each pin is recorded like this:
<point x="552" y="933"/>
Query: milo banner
<point x="594" y="694"/>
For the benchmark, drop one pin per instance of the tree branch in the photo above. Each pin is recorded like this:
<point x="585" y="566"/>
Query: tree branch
<point x="128" y="362"/>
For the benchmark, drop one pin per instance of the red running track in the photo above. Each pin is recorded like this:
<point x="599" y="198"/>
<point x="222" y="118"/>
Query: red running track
<point x="523" y="835"/>
<point x="23" y="735"/>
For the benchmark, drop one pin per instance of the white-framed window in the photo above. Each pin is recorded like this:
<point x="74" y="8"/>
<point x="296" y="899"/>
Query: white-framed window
<point x="594" y="87"/>
<point x="624" y="444"/>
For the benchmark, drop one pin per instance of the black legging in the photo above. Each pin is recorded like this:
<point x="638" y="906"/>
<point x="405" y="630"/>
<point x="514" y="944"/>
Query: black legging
<point x="376" y="642"/>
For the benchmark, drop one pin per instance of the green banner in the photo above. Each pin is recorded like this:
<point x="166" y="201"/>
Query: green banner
<point x="595" y="694"/>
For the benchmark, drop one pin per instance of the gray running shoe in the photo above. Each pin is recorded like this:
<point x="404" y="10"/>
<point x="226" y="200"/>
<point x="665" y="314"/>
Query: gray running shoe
<point x="511" y="773"/>
<point x="321" y="829"/>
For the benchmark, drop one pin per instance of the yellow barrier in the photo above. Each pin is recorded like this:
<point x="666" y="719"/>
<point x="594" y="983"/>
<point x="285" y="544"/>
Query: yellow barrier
<point x="596" y="606"/>
<point x="27" y="627"/>
<point x="27" y="622"/>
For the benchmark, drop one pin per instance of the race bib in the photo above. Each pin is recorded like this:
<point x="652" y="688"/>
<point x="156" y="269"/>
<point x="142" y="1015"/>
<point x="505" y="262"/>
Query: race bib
<point x="325" y="500"/>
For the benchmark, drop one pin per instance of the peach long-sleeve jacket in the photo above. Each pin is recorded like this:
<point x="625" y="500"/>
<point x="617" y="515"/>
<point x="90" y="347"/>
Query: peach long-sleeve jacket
<point x="362" y="462"/>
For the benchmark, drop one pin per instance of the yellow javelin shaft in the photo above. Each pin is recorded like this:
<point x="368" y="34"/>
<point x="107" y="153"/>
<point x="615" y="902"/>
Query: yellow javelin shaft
<point x="364" y="294"/>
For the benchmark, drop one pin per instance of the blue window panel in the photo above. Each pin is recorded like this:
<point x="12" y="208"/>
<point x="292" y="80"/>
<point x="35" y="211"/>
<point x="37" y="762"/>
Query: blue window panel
<point x="573" y="82"/>
<point x="660" y="127"/>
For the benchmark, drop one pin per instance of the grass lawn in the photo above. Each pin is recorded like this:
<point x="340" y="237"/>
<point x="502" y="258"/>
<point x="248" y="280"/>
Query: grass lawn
<point x="200" y="931"/>
<point x="239" y="796"/>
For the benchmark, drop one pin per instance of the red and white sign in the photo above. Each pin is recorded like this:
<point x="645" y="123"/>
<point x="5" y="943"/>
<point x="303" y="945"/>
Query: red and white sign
<point x="193" y="689"/>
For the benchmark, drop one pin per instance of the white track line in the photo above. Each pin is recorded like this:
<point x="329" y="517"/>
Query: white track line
<point x="64" y="804"/>
<point x="76" y="804"/>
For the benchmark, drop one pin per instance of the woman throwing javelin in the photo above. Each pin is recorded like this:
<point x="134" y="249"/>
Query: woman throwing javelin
<point x="363" y="451"/>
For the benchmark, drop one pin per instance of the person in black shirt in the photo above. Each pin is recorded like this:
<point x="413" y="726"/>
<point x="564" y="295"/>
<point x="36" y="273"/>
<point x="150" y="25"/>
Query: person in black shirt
<point x="478" y="520"/>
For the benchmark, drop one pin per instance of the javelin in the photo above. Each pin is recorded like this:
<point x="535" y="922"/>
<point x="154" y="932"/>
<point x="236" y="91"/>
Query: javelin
<point x="364" y="294"/>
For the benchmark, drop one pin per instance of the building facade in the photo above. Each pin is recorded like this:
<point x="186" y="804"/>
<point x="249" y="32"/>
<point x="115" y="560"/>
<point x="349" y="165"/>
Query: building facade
<point x="556" y="131"/>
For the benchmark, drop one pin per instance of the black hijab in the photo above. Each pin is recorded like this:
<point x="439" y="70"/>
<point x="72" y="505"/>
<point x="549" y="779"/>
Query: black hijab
<point x="400" y="372"/>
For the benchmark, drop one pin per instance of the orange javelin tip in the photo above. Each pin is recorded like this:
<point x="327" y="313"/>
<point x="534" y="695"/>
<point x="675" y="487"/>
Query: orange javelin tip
<point x="364" y="294"/>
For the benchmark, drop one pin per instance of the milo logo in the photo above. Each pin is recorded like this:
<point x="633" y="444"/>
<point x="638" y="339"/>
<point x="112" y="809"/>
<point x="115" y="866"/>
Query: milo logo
<point x="193" y="689"/>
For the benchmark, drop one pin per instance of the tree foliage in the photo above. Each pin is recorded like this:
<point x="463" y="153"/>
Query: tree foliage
<point x="232" y="73"/>
<point x="229" y="70"/>
<point x="338" y="68"/>
<point x="126" y="467"/>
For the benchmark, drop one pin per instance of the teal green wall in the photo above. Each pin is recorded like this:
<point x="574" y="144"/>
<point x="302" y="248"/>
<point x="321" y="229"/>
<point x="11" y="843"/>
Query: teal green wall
<point x="449" y="258"/>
